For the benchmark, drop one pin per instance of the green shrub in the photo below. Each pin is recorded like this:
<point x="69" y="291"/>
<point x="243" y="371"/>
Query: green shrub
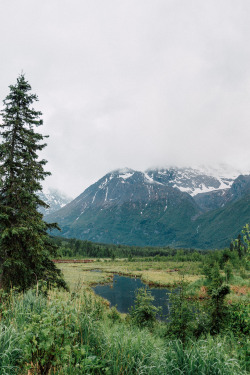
<point x="144" y="312"/>
<point x="239" y="315"/>
<point x="114" y="315"/>
<point x="48" y="338"/>
<point x="182" y="314"/>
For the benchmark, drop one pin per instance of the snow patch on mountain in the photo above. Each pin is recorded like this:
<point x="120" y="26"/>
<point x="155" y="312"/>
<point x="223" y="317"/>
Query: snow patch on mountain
<point x="194" y="180"/>
<point x="54" y="198"/>
<point x="150" y="179"/>
<point x="200" y="189"/>
<point x="126" y="175"/>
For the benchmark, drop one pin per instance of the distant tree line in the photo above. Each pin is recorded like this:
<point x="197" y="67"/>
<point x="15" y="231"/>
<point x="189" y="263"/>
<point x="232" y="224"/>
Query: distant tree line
<point x="234" y="255"/>
<point x="82" y="248"/>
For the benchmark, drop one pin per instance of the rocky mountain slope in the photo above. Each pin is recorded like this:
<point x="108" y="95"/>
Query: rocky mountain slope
<point x="54" y="198"/>
<point x="158" y="207"/>
<point x="191" y="181"/>
<point x="219" y="198"/>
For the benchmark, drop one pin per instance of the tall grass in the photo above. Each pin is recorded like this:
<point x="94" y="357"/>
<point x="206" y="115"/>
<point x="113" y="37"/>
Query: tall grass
<point x="10" y="351"/>
<point x="77" y="331"/>
<point x="208" y="356"/>
<point x="134" y="351"/>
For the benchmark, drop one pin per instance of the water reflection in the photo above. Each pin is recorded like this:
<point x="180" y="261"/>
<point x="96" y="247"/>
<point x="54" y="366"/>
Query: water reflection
<point x="122" y="294"/>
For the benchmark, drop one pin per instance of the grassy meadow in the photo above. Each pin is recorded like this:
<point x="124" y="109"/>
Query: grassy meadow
<point x="153" y="273"/>
<point x="73" y="332"/>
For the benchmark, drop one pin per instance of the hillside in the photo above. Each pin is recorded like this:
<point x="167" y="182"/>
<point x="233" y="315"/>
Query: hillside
<point x="148" y="209"/>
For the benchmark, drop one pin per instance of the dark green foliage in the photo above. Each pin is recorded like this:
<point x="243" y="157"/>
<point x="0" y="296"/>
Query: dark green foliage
<point x="114" y="314"/>
<point x="228" y="269"/>
<point x="242" y="243"/>
<point x="25" y="247"/>
<point x="73" y="248"/>
<point x="144" y="313"/>
<point x="63" y="334"/>
<point x="217" y="307"/>
<point x="182" y="315"/>
<point x="240" y="318"/>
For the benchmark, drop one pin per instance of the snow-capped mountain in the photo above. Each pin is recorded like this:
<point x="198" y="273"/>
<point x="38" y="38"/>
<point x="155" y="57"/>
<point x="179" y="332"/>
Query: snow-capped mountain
<point x="192" y="181"/>
<point x="121" y="186"/>
<point x="54" y="198"/>
<point x="127" y="206"/>
<point x="158" y="207"/>
<point x="188" y="180"/>
<point x="219" y="198"/>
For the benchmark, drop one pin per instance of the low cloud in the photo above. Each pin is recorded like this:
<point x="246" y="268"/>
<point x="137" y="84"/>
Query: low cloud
<point x="132" y="83"/>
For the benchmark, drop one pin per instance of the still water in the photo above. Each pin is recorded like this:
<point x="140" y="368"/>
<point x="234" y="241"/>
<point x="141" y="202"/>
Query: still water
<point x="122" y="294"/>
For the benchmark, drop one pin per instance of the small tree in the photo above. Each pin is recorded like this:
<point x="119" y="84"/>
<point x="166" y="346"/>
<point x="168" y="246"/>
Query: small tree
<point x="144" y="312"/>
<point x="228" y="269"/>
<point x="182" y="314"/>
<point x="246" y="238"/>
<point x="25" y="247"/>
<point x="242" y="242"/>
<point x="217" y="306"/>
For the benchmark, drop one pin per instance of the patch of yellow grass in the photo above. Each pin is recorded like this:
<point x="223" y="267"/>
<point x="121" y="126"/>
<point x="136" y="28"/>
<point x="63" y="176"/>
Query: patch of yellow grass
<point x="164" y="278"/>
<point x="154" y="273"/>
<point x="80" y="276"/>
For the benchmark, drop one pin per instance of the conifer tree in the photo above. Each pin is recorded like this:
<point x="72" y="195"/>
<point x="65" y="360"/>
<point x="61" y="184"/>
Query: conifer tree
<point x="25" y="246"/>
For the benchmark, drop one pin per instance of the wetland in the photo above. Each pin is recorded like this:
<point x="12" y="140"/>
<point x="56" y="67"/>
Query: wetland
<point x="121" y="293"/>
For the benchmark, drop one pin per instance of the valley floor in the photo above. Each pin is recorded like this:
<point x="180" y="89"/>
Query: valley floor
<point x="153" y="273"/>
<point x="75" y="332"/>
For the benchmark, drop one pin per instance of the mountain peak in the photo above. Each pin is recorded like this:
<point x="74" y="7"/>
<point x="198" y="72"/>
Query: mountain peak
<point x="156" y="208"/>
<point x="123" y="173"/>
<point x="54" y="198"/>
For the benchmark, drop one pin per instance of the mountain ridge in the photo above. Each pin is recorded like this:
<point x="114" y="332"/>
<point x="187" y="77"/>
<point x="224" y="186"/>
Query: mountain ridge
<point x="149" y="208"/>
<point x="54" y="198"/>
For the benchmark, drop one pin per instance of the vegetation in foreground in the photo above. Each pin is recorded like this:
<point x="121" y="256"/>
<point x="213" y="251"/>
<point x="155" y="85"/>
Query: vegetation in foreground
<point x="75" y="333"/>
<point x="57" y="332"/>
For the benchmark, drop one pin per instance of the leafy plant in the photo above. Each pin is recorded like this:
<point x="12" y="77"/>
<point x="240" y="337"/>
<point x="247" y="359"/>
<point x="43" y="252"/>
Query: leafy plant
<point x="47" y="339"/>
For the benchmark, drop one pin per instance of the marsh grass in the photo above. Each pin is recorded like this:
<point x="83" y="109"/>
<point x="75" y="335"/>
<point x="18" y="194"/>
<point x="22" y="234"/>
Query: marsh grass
<point x="152" y="273"/>
<point x="80" y="274"/>
<point x="78" y="335"/>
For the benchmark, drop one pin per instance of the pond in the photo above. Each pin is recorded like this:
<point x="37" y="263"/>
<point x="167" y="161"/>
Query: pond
<point x="122" y="294"/>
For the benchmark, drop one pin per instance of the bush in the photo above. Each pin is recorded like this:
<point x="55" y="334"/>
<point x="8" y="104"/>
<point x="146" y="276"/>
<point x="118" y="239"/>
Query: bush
<point x="239" y="318"/>
<point x="217" y="307"/>
<point x="144" y="312"/>
<point x="182" y="315"/>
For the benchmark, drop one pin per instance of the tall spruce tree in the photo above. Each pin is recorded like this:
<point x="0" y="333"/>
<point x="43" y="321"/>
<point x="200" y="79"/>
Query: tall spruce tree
<point x="25" y="246"/>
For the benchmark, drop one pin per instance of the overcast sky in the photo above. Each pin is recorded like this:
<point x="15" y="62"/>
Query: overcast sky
<point x="132" y="83"/>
